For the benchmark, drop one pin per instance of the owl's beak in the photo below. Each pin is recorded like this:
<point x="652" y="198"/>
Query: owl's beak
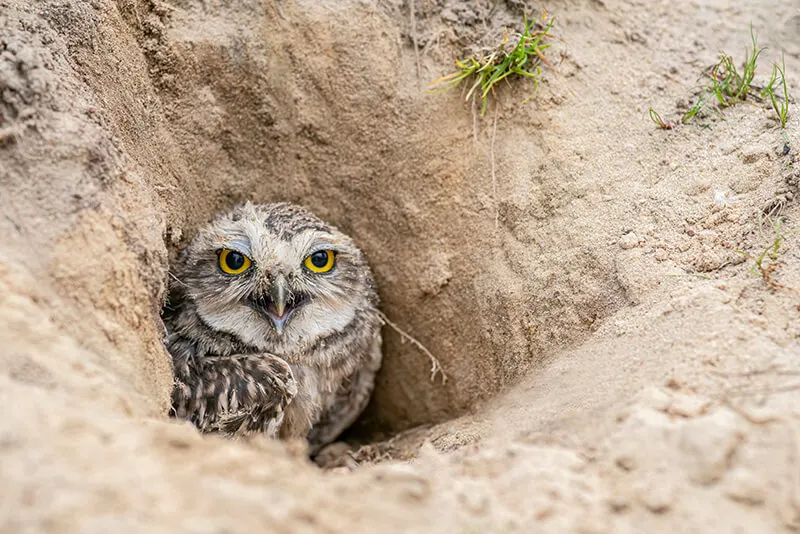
<point x="278" y="305"/>
<point x="277" y="312"/>
<point x="278" y="293"/>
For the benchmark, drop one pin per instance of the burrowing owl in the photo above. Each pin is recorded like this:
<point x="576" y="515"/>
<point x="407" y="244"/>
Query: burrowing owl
<point x="273" y="326"/>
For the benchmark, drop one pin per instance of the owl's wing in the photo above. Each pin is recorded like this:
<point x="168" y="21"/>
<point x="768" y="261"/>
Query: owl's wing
<point x="235" y="395"/>
<point x="350" y="400"/>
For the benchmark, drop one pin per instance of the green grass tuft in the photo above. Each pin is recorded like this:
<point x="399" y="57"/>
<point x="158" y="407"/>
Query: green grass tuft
<point x="781" y="109"/>
<point x="728" y="86"/>
<point x="766" y="263"/>
<point x="484" y="73"/>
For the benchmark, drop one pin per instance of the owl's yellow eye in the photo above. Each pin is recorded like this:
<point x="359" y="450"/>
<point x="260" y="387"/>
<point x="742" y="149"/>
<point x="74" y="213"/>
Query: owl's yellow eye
<point x="232" y="262"/>
<point x="320" y="261"/>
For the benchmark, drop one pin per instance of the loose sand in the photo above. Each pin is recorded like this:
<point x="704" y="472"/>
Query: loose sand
<point x="612" y="365"/>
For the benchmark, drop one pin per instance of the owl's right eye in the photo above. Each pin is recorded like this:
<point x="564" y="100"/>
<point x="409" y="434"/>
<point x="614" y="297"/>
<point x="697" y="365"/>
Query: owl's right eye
<point x="232" y="262"/>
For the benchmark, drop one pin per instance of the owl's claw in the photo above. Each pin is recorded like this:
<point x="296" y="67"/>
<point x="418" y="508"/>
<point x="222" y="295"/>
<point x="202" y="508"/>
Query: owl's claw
<point x="236" y="395"/>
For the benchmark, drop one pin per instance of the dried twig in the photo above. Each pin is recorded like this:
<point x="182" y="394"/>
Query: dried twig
<point x="436" y="367"/>
<point x="474" y="118"/>
<point x="414" y="40"/>
<point x="494" y="174"/>
<point x="177" y="279"/>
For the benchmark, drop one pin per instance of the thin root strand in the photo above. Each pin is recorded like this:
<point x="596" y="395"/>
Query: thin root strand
<point x="436" y="367"/>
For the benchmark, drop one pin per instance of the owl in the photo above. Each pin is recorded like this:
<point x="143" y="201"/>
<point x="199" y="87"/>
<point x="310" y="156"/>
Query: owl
<point x="273" y="326"/>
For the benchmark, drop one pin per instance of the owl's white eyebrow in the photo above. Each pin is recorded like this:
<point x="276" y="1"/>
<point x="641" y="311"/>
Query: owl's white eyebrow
<point x="316" y="247"/>
<point x="241" y="246"/>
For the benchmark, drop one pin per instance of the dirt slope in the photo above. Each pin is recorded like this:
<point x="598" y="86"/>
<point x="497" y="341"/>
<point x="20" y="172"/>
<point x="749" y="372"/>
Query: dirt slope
<point x="612" y="365"/>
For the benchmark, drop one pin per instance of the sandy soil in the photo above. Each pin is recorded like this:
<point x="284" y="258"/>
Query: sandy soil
<point x="612" y="365"/>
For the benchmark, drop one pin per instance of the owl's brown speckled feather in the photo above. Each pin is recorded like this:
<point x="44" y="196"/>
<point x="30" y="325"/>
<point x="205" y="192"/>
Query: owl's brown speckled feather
<point x="278" y="348"/>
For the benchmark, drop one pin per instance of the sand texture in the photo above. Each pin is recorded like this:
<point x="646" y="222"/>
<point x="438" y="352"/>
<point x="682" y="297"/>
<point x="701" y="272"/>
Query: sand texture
<point x="612" y="366"/>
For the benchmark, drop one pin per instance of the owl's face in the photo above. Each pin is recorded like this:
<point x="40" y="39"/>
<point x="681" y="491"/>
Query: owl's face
<point x="276" y="277"/>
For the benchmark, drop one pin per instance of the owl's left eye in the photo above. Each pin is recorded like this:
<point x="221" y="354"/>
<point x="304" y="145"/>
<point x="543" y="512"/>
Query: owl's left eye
<point x="320" y="261"/>
<point x="232" y="262"/>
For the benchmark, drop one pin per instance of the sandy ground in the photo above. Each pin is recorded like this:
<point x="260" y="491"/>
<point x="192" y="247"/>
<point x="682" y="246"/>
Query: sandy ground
<point x="613" y="366"/>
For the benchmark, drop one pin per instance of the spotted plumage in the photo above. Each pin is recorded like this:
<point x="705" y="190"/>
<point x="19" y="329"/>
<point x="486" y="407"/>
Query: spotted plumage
<point x="273" y="326"/>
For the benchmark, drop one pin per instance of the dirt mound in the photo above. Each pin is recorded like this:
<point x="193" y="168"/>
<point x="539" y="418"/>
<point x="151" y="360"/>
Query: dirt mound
<point x="563" y="245"/>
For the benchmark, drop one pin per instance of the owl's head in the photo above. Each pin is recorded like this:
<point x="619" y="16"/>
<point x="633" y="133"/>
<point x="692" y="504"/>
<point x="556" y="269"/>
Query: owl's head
<point x="276" y="277"/>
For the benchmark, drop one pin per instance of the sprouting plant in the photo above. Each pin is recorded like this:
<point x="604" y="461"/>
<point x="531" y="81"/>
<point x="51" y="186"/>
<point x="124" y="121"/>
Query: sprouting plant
<point x="695" y="109"/>
<point x="765" y="264"/>
<point x="523" y="59"/>
<point x="781" y="109"/>
<point x="656" y="117"/>
<point x="728" y="86"/>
